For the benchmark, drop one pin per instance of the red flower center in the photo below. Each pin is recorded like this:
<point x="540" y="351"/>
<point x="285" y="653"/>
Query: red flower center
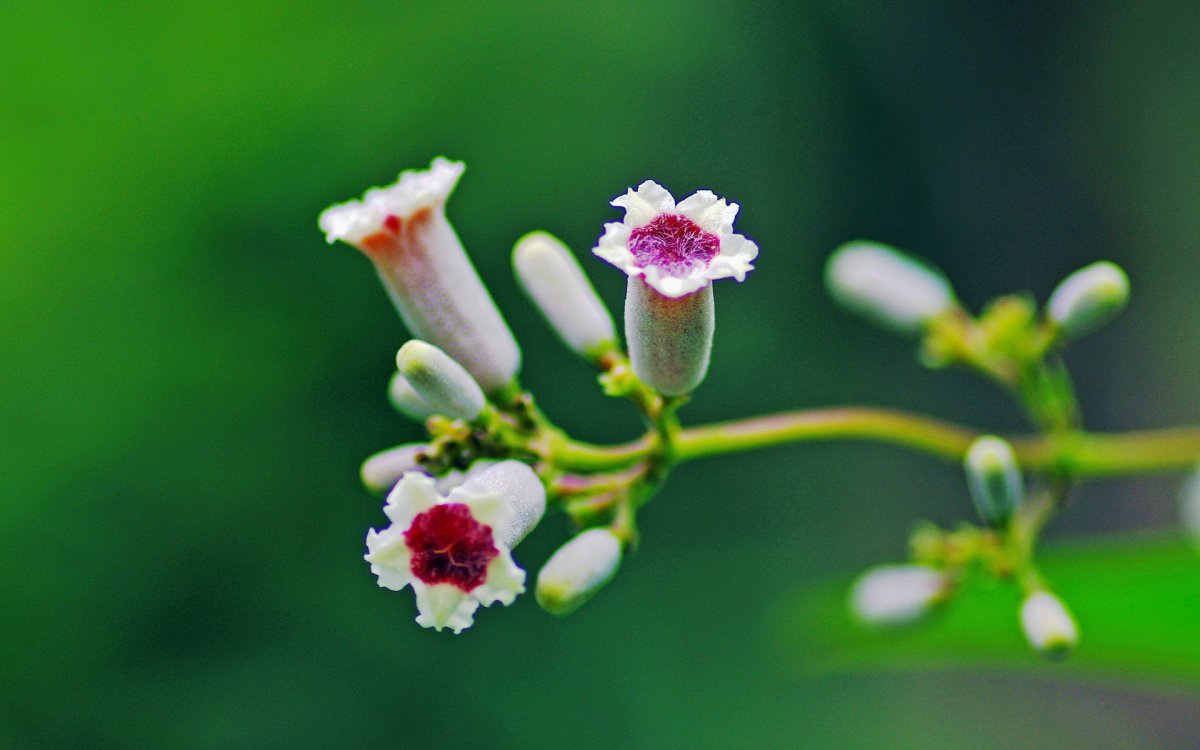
<point x="449" y="546"/>
<point x="674" y="243"/>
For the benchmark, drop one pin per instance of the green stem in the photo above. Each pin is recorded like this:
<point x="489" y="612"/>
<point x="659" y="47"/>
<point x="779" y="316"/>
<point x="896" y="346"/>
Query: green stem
<point x="1083" y="454"/>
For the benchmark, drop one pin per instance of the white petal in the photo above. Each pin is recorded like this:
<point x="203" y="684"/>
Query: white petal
<point x="442" y="605"/>
<point x="414" y="189"/>
<point x="650" y="200"/>
<point x="505" y="580"/>
<point x="413" y="494"/>
<point x="734" y="259"/>
<point x="488" y="508"/>
<point x="390" y="557"/>
<point x="712" y="214"/>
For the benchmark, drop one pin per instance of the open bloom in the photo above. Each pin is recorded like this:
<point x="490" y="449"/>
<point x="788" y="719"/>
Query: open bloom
<point x="455" y="551"/>
<point x="403" y="229"/>
<point x="672" y="253"/>
<point x="676" y="248"/>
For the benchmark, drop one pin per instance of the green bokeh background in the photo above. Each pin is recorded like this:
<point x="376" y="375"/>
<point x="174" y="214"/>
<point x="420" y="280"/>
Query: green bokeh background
<point x="191" y="376"/>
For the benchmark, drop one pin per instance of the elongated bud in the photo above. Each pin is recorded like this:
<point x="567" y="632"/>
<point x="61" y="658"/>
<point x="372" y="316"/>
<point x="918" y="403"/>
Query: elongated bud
<point x="1189" y="507"/>
<point x="669" y="338"/>
<point x="1048" y="625"/>
<point x="554" y="281"/>
<point x="406" y="400"/>
<point x="381" y="471"/>
<point x="579" y="569"/>
<point x="994" y="479"/>
<point x="520" y="491"/>
<point x="440" y="381"/>
<point x="887" y="285"/>
<point x="1088" y="298"/>
<point x="403" y="229"/>
<point x="890" y="595"/>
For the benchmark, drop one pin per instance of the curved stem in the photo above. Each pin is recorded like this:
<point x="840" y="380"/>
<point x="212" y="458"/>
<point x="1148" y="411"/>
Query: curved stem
<point x="1083" y="454"/>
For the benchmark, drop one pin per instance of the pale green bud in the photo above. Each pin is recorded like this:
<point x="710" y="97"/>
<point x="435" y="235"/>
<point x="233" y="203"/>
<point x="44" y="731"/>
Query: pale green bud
<point x="579" y="569"/>
<point x="887" y="285"/>
<point x="440" y="381"/>
<point x="1088" y="298"/>
<point x="1189" y="507"/>
<point x="1048" y="624"/>
<point x="892" y="595"/>
<point x="994" y="479"/>
<point x="381" y="471"/>
<point x="406" y="400"/>
<point x="669" y="338"/>
<point x="554" y="281"/>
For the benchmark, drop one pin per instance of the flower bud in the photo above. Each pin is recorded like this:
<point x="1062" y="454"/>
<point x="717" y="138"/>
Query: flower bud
<point x="669" y="338"/>
<point x="887" y="285"/>
<point x="554" y="281"/>
<point x="440" y="381"/>
<point x="579" y="569"/>
<point x="1189" y="507"/>
<point x="1088" y="298"/>
<point x="890" y="595"/>
<point x="994" y="479"/>
<point x="1048" y="625"/>
<point x="403" y="229"/>
<point x="406" y="400"/>
<point x="518" y="488"/>
<point x="381" y="471"/>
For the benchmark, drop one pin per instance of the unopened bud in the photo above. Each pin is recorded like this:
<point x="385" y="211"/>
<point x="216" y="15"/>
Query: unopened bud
<point x="554" y="281"/>
<point x="381" y="471"/>
<point x="518" y="488"/>
<point x="406" y="400"/>
<point x="441" y="382"/>
<point x="1048" y="625"/>
<point x="1189" y="507"/>
<point x="994" y="479"/>
<point x="887" y="285"/>
<point x="669" y="338"/>
<point x="579" y="569"/>
<point x="1088" y="298"/>
<point x="890" y="595"/>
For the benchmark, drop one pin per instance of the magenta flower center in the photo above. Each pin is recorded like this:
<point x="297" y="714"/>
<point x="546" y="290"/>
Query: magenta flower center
<point x="674" y="243"/>
<point x="449" y="546"/>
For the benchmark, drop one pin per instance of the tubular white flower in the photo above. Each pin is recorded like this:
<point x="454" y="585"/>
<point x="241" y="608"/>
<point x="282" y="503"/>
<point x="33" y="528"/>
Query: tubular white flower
<point x="890" y="595"/>
<point x="406" y="400"/>
<point x="455" y="551"/>
<point x="1048" y="625"/>
<point x="994" y="478"/>
<point x="554" y="281"/>
<point x="672" y="253"/>
<point x="888" y="286"/>
<point x="1088" y="298"/>
<point x="403" y="229"/>
<point x="440" y="382"/>
<point x="579" y="569"/>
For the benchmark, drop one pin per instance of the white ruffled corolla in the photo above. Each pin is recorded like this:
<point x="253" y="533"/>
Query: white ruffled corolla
<point x="456" y="551"/>
<point x="672" y="253"/>
<point x="403" y="229"/>
<point x="891" y="595"/>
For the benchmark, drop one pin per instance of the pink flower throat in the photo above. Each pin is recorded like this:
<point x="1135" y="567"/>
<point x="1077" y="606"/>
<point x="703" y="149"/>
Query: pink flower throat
<point x="449" y="546"/>
<point x="674" y="243"/>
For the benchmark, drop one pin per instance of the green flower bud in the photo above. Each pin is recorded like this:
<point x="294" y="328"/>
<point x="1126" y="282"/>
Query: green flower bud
<point x="579" y="569"/>
<point x="894" y="595"/>
<point x="994" y="479"/>
<point x="381" y="471"/>
<point x="440" y="381"/>
<point x="406" y="400"/>
<point x="1048" y="624"/>
<point x="554" y="281"/>
<point x="1088" y="298"/>
<point x="888" y="286"/>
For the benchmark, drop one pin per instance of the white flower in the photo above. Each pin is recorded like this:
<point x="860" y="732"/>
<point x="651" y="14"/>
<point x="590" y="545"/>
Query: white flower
<point x="678" y="249"/>
<point x="455" y="551"/>
<point x="403" y="229"/>
<point x="1048" y="625"/>
<point x="890" y="595"/>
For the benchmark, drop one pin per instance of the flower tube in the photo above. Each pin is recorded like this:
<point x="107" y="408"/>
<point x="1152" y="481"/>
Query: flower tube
<point x="403" y="229"/>
<point x="672" y="253"/>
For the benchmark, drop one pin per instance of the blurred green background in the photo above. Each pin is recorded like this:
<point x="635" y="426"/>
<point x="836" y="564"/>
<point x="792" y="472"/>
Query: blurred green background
<point x="191" y="376"/>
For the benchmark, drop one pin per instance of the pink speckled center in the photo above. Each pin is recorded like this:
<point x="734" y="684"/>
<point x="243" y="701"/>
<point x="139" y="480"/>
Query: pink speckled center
<point x="449" y="546"/>
<point x="673" y="243"/>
